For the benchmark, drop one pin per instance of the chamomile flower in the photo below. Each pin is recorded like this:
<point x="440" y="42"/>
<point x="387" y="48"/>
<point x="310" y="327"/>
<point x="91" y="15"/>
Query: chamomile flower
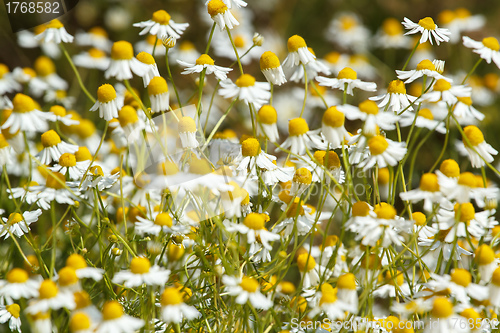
<point x="17" y="285"/>
<point x="347" y="30"/>
<point x="424" y="67"/>
<point x="425" y="119"/>
<point x="301" y="181"/>
<point x="442" y="90"/>
<point x="221" y="15"/>
<point x="393" y="284"/>
<point x="162" y="222"/>
<point x="465" y="112"/>
<point x="55" y="189"/>
<point x="488" y="48"/>
<point x="346" y="286"/>
<point x="383" y="152"/>
<point x="130" y="122"/>
<point x="253" y="157"/>
<point x="485" y="258"/>
<point x="312" y="69"/>
<point x="107" y="102"/>
<point x="254" y="228"/>
<point x="347" y="79"/>
<point x="141" y="273"/>
<point x="162" y="25"/>
<point x="54" y="147"/>
<point x="54" y="32"/>
<point x="299" y="217"/>
<point x="330" y="304"/>
<point x="391" y="35"/>
<point x="25" y="116"/>
<point x="301" y="139"/>
<point x="247" y="90"/>
<point x="478" y="149"/>
<point x="271" y="68"/>
<point x="82" y="270"/>
<point x="17" y="224"/>
<point x="11" y="314"/>
<point x="50" y="298"/>
<point x="332" y="127"/>
<point x="369" y="112"/>
<point x="95" y="37"/>
<point x="428" y="29"/>
<point x="93" y="58"/>
<point x="80" y="322"/>
<point x="268" y="118"/>
<point x="494" y="288"/>
<point x="173" y="308"/>
<point x="246" y="289"/>
<point x="158" y="94"/>
<point x="62" y="116"/>
<point x="205" y="62"/>
<point x="7" y="81"/>
<point x="310" y="271"/>
<point x="6" y="151"/>
<point x="114" y="320"/>
<point x="123" y="62"/>
<point x="152" y="71"/>
<point x="229" y="3"/>
<point x="396" y="99"/>
<point x="298" y="53"/>
<point x="67" y="166"/>
<point x="428" y="191"/>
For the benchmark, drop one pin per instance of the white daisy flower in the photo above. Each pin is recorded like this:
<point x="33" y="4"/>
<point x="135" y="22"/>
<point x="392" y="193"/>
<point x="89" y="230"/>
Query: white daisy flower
<point x="488" y="48"/>
<point x="26" y="117"/>
<point x="347" y="30"/>
<point x="221" y="14"/>
<point x="252" y="157"/>
<point x="141" y="273"/>
<point x="369" y="112"/>
<point x="428" y="29"/>
<point x="301" y="139"/>
<point x="396" y="99"/>
<point x="107" y="102"/>
<point x="347" y="79"/>
<point x="54" y="147"/>
<point x="271" y="68"/>
<point x="54" y="32"/>
<point x="310" y="271"/>
<point x="10" y="313"/>
<point x="173" y="308"/>
<point x="162" y="25"/>
<point x="18" y="224"/>
<point x="268" y="118"/>
<point x="204" y="62"/>
<point x="162" y="222"/>
<point x="254" y="228"/>
<point x="428" y="191"/>
<point x="494" y="288"/>
<point x="299" y="218"/>
<point x="80" y="322"/>
<point x="55" y="188"/>
<point x="18" y="285"/>
<point x="298" y="53"/>
<point x="8" y="83"/>
<point x="312" y="69"/>
<point x="158" y="94"/>
<point x="78" y="263"/>
<point x="246" y="289"/>
<point x="383" y="152"/>
<point x="114" y="320"/>
<point x="425" y="119"/>
<point x="424" y="67"/>
<point x="6" y="151"/>
<point x="442" y="90"/>
<point x="478" y="149"/>
<point x="93" y="58"/>
<point x="152" y="71"/>
<point x="229" y="3"/>
<point x="390" y="35"/>
<point x="330" y="304"/>
<point x="96" y="37"/>
<point x="246" y="89"/>
<point x="332" y="127"/>
<point x="465" y="112"/>
<point x="50" y="298"/>
<point x="123" y="62"/>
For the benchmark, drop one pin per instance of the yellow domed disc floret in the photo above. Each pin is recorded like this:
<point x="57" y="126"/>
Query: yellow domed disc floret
<point x="297" y="127"/>
<point x="161" y="16"/>
<point x="106" y="93"/>
<point x="269" y="60"/>
<point x="122" y="50"/>
<point x="140" y="265"/>
<point x="295" y="43"/>
<point x="267" y="115"/>
<point x="250" y="147"/>
<point x="333" y="117"/>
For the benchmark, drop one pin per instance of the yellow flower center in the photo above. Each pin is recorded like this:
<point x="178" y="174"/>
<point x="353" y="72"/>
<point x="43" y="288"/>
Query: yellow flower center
<point x="331" y="240"/>
<point x="328" y="296"/>
<point x="305" y="263"/>
<point x="296" y="208"/>
<point x="302" y="176"/>
<point x="127" y="115"/>
<point x="347" y="73"/>
<point x="377" y="145"/>
<point x="67" y="276"/>
<point x="171" y="296"/>
<point x="348" y="22"/>
<point x="392" y="27"/>
<point x="268" y="115"/>
<point x="161" y="16"/>
<point x="83" y="154"/>
<point x="96" y="53"/>
<point x="346" y="281"/>
<point x="140" y="265"/>
<point x="67" y="160"/>
<point x="76" y="261"/>
<point x="297" y="126"/>
<point x="429" y="182"/>
<point x="249" y="284"/>
<point x="254" y="221"/>
<point x="427" y="23"/>
<point x="442" y="85"/>
<point x="14" y="310"/>
<point x="163" y="219"/>
<point x="122" y="50"/>
<point x="495" y="278"/>
<point x="368" y="107"/>
<point x="48" y="289"/>
<point x="3" y="70"/>
<point x="216" y="7"/>
<point x="333" y="57"/>
<point x="331" y="160"/>
<point x="269" y="60"/>
<point x="464" y="212"/>
<point x="186" y="124"/>
<point x="461" y="277"/>
<point x="425" y="113"/>
<point x="157" y="86"/>
<point x="484" y="255"/>
<point x="474" y="135"/>
<point x="250" y="147"/>
<point x="239" y="41"/>
<point x="396" y="87"/>
<point x="398" y="279"/>
<point x="333" y="117"/>
<point x="426" y="64"/>
<point x="385" y="211"/>
<point x="44" y="66"/>
<point x="295" y="43"/>
<point x="56" y="182"/>
<point x="15" y="218"/>
<point x="106" y="93"/>
<point x="491" y="43"/>
<point x="175" y="252"/>
<point x="112" y="310"/>
<point x="54" y="24"/>
<point x="360" y="208"/>
<point x="467" y="179"/>
<point x="146" y="58"/>
<point x="419" y="218"/>
<point x="23" y="103"/>
<point x="246" y="80"/>
<point x="383" y="176"/>
<point x="50" y="139"/>
<point x="58" y="110"/>
<point x="446" y="16"/>
<point x="465" y="100"/>
<point x="450" y="168"/>
<point x="442" y="308"/>
<point x="319" y="156"/>
<point x="205" y="59"/>
<point x="17" y="275"/>
<point x="79" y="321"/>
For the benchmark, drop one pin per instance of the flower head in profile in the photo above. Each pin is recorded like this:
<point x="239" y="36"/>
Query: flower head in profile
<point x="173" y="308"/>
<point x="396" y="98"/>
<point x="246" y="289"/>
<point x="219" y="12"/>
<point x="246" y="89"/>
<point x="162" y="25"/>
<point x="205" y="62"/>
<point x="26" y="116"/>
<point x="301" y="139"/>
<point x="123" y="62"/>
<point x="488" y="48"/>
<point x="428" y="29"/>
<point x="298" y="53"/>
<point x="347" y="79"/>
<point x="141" y="273"/>
<point x="271" y="68"/>
<point x="115" y="320"/>
<point x="383" y="152"/>
<point x="478" y="149"/>
<point x="10" y="313"/>
<point x="54" y="147"/>
<point x="17" y="224"/>
<point x="54" y="31"/>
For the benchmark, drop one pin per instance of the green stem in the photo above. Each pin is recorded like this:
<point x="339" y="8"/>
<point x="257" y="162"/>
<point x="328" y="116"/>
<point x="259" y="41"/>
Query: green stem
<point x="79" y="79"/>
<point x="235" y="51"/>
<point x="411" y="55"/>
